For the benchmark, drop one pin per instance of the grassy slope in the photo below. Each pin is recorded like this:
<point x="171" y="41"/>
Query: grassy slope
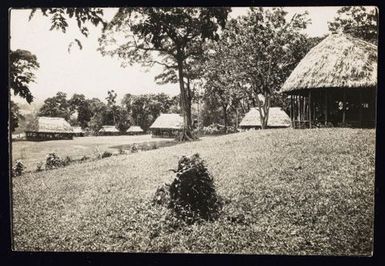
<point x="32" y="152"/>
<point x="299" y="191"/>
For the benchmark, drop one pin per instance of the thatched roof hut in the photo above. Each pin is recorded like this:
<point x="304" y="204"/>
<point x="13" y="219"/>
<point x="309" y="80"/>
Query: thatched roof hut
<point x="135" y="130"/>
<point x="46" y="128"/>
<point x="339" y="60"/>
<point x="334" y="84"/>
<point x="277" y="118"/>
<point x="108" y="130"/>
<point x="167" y="125"/>
<point x="78" y="131"/>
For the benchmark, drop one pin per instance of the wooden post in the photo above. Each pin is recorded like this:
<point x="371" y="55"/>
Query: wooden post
<point x="360" y="107"/>
<point x="326" y="107"/>
<point x="291" y="110"/>
<point x="343" y="107"/>
<point x="310" y="109"/>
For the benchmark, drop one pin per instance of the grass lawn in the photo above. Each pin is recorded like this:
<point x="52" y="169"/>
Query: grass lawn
<point x="32" y="152"/>
<point x="287" y="191"/>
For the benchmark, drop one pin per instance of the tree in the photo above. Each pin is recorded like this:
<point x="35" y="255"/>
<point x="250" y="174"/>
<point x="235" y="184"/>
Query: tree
<point x="111" y="105"/>
<point x="59" y="19"/>
<point x="359" y="21"/>
<point x="22" y="66"/>
<point x="15" y="116"/>
<point x="98" y="110"/>
<point x="79" y="104"/>
<point x="267" y="48"/>
<point x="166" y="36"/>
<point x="122" y="119"/>
<point x="56" y="106"/>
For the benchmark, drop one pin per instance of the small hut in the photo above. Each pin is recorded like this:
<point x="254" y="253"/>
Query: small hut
<point x="167" y="126"/>
<point x="78" y="131"/>
<point x="109" y="131"/>
<point x="334" y="84"/>
<point x="49" y="128"/>
<point x="277" y="119"/>
<point x="135" y="130"/>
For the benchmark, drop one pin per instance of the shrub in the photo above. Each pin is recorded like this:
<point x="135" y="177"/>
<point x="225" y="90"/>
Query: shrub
<point x="18" y="168"/>
<point x="154" y="146"/>
<point x="192" y="194"/>
<point x="67" y="160"/>
<point x="106" y="154"/>
<point x="134" y="148"/>
<point x="84" y="158"/>
<point x="39" y="167"/>
<point x="121" y="151"/>
<point x="53" y="161"/>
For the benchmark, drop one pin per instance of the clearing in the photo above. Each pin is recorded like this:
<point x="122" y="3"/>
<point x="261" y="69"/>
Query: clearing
<point x="33" y="152"/>
<point x="287" y="192"/>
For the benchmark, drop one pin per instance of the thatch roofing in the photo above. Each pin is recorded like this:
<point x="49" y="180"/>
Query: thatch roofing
<point x="135" y="129"/>
<point x="168" y="121"/>
<point x="340" y="60"/>
<point x="77" y="130"/>
<point x="110" y="129"/>
<point x="50" y="125"/>
<point x="277" y="118"/>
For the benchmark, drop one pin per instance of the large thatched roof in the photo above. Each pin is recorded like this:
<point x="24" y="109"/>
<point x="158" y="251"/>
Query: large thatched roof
<point x="135" y="129"/>
<point x="110" y="129"/>
<point x="50" y="125"/>
<point x="168" y="121"/>
<point x="277" y="118"/>
<point x="340" y="60"/>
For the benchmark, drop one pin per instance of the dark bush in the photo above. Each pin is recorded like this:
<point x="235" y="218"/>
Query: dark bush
<point x="84" y="158"/>
<point x="134" y="148"/>
<point x="106" y="154"/>
<point x="121" y="151"/>
<point x="18" y="168"/>
<point x="53" y="161"/>
<point x="192" y="193"/>
<point x="67" y="160"/>
<point x="39" y="167"/>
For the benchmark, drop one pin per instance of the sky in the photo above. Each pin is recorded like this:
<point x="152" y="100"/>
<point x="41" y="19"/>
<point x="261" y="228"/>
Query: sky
<point x="87" y="72"/>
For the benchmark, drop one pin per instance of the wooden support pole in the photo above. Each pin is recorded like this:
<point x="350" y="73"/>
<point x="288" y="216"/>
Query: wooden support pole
<point x="310" y="109"/>
<point x="360" y="102"/>
<point x="291" y="109"/>
<point x="326" y="107"/>
<point x="344" y="107"/>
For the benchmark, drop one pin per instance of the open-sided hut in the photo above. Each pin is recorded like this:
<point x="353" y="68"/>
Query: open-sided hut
<point x="109" y="131"/>
<point x="167" y="126"/>
<point x="135" y="130"/>
<point x="78" y="131"/>
<point x="334" y="84"/>
<point x="277" y="119"/>
<point x="49" y="128"/>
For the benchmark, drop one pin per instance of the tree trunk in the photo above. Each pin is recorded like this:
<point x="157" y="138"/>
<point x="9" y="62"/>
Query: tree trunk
<point x="264" y="110"/>
<point x="185" y="103"/>
<point x="225" y="117"/>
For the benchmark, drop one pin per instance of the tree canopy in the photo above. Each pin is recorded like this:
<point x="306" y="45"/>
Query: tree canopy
<point x="359" y="21"/>
<point x="22" y="66"/>
<point x="169" y="36"/>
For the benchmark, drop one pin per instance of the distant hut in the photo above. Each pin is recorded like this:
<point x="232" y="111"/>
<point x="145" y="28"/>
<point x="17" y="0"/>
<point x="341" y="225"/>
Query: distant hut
<point x="135" y="130"/>
<point x="49" y="128"/>
<point x="109" y="131"/>
<point x="277" y="119"/>
<point x="167" y="126"/>
<point x="334" y="84"/>
<point x="78" y="131"/>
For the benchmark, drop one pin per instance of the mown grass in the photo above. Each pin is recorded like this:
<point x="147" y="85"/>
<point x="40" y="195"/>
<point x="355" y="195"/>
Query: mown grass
<point x="31" y="152"/>
<point x="286" y="192"/>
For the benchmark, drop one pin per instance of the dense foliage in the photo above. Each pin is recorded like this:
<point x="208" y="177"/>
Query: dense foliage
<point x="359" y="21"/>
<point x="192" y="194"/>
<point x="174" y="35"/>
